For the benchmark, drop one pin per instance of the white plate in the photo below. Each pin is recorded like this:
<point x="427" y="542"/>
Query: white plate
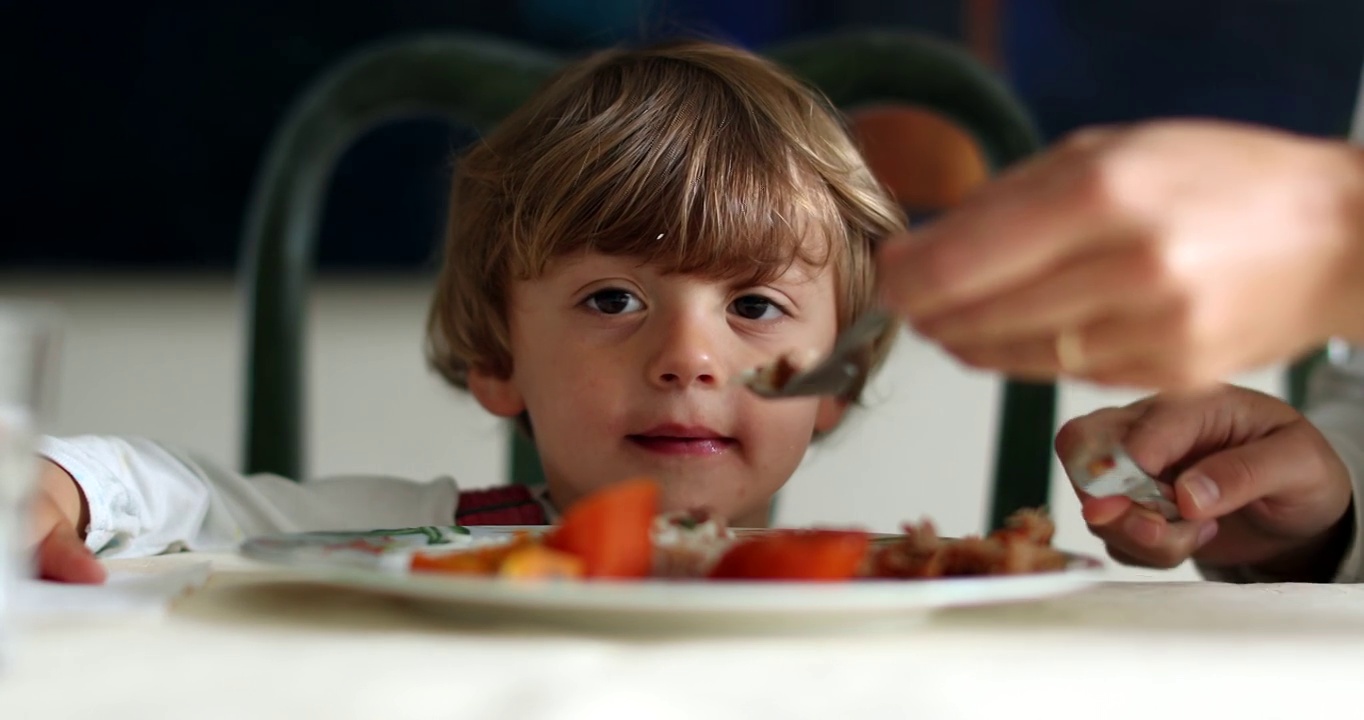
<point x="378" y="560"/>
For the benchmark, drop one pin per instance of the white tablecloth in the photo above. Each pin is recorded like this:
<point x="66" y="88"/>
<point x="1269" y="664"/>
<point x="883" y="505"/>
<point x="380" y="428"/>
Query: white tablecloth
<point x="257" y="644"/>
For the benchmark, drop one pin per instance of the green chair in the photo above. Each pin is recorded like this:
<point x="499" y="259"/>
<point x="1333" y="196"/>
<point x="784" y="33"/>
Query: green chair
<point x="1299" y="373"/>
<point x="477" y="81"/>
<point x="472" y="80"/>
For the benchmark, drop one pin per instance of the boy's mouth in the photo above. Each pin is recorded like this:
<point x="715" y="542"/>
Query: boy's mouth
<point x="682" y="440"/>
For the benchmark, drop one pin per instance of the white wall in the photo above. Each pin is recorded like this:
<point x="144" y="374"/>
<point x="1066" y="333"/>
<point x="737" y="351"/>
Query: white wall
<point x="161" y="356"/>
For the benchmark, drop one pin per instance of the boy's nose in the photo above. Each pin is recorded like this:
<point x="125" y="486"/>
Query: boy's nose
<point x="687" y="356"/>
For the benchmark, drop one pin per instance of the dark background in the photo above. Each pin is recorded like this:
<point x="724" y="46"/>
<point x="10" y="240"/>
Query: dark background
<point x="135" y="129"/>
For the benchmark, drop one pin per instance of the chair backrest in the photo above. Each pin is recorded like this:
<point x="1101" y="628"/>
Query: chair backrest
<point x="477" y="81"/>
<point x="474" y="80"/>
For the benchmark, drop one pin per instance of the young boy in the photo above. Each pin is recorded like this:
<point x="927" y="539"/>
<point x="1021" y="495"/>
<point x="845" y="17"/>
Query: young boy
<point x="648" y="226"/>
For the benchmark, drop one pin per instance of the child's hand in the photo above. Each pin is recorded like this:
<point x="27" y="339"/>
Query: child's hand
<point x="58" y="509"/>
<point x="1257" y="484"/>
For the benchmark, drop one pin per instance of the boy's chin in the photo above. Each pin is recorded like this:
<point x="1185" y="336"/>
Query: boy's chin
<point x="679" y="497"/>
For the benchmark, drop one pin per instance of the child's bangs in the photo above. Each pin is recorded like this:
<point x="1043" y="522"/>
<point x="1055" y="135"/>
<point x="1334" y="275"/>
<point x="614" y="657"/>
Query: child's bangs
<point x="692" y="178"/>
<point x="748" y="223"/>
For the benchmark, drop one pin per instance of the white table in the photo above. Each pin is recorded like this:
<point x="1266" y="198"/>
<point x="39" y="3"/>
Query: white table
<point x="256" y="644"/>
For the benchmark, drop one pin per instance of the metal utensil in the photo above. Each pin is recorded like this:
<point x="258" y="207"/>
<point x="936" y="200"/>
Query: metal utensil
<point x="1102" y="468"/>
<point x="834" y="375"/>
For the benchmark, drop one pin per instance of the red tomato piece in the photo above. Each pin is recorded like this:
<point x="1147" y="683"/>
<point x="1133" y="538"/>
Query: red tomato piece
<point x="821" y="555"/>
<point x="611" y="530"/>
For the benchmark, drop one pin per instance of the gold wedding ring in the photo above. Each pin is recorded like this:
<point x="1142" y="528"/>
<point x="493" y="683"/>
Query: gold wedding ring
<point x="1069" y="353"/>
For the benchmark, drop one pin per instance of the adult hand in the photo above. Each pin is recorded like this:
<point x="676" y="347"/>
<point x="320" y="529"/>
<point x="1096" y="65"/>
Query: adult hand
<point x="1166" y="254"/>
<point x="1257" y="484"/>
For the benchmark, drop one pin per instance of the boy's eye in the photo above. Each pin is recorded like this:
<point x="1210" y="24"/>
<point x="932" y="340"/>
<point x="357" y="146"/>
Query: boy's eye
<point x="613" y="302"/>
<point x="756" y="307"/>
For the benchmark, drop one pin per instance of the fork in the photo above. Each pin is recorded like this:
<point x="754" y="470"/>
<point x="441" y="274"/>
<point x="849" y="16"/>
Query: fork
<point x="835" y="374"/>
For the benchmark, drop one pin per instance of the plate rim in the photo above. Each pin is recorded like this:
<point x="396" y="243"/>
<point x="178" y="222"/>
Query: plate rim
<point x="675" y="596"/>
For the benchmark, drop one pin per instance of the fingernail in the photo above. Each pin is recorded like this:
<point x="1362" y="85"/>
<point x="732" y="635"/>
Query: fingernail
<point x="1143" y="528"/>
<point x="1202" y="491"/>
<point x="1206" y="534"/>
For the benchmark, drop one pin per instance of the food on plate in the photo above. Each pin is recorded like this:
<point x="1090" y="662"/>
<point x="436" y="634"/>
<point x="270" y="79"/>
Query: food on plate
<point x="687" y="544"/>
<point x="524" y="556"/>
<point x="618" y="534"/>
<point x="818" y="555"/>
<point x="1023" y="545"/>
<point x="610" y="530"/>
<point x="538" y="562"/>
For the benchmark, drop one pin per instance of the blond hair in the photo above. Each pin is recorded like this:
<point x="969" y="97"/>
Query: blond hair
<point x="695" y="156"/>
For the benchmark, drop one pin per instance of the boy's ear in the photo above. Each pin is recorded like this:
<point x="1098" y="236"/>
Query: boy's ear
<point x="830" y="413"/>
<point x="497" y="395"/>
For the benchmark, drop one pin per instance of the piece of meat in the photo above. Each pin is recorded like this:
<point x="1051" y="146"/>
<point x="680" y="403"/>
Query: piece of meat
<point x="1022" y="546"/>
<point x="1029" y="524"/>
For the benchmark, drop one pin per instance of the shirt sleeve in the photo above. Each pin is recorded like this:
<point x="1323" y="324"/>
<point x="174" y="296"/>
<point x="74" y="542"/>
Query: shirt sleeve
<point x="146" y="498"/>
<point x="1335" y="405"/>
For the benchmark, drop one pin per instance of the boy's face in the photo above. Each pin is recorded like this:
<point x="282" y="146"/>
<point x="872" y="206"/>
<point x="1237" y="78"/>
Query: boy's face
<point x="627" y="371"/>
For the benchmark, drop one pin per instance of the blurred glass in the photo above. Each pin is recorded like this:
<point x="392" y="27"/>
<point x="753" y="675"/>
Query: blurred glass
<point x="28" y="347"/>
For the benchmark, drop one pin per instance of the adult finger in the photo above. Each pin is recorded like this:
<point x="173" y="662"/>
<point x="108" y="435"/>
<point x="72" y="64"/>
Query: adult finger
<point x="1174" y="430"/>
<point x="1092" y="286"/>
<point x="1102" y="511"/>
<point x="1150" y="540"/>
<point x="1011" y="232"/>
<point x="1288" y="462"/>
<point x="1031" y="359"/>
<point x="1104" y="422"/>
<point x="1125" y="558"/>
<point x="1142" y="345"/>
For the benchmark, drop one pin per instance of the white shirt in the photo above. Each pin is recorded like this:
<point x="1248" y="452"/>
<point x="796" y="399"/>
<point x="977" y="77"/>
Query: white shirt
<point x="146" y="498"/>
